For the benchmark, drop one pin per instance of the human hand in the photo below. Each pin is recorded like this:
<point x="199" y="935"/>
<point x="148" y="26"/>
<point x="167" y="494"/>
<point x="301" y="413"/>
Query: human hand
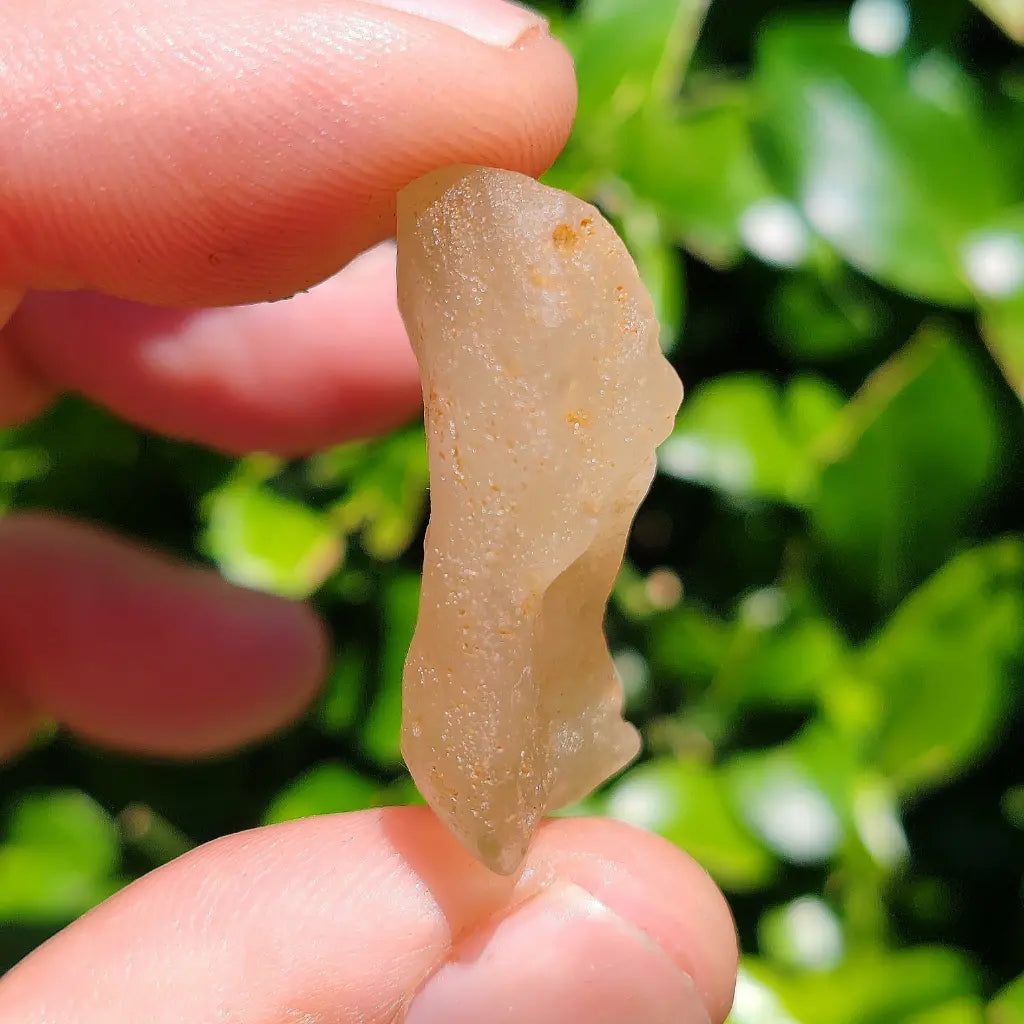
<point x="160" y="159"/>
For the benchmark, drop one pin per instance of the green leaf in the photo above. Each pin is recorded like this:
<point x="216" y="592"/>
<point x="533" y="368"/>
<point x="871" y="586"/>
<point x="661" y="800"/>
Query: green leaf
<point x="402" y="793"/>
<point x="908" y="460"/>
<point x="60" y="858"/>
<point x="822" y="317"/>
<point x="343" y="696"/>
<point x="19" y="463"/>
<point x="1008" y="1005"/>
<point x="382" y="731"/>
<point x="384" y="486"/>
<point x="739" y="435"/>
<point x="789" y="663"/>
<point x="994" y="259"/>
<point x="875" y="988"/>
<point x="263" y="540"/>
<point x="1007" y="14"/>
<point x="69" y="822"/>
<point x="688" y="644"/>
<point x="1002" y="326"/>
<point x="804" y="933"/>
<point x="810" y="406"/>
<point x="699" y="170"/>
<point x="629" y="58"/>
<point x="75" y="458"/>
<point x="766" y="658"/>
<point x="887" y="159"/>
<point x="963" y="1010"/>
<point x="1012" y="805"/>
<point x="328" y="788"/>
<point x="626" y="53"/>
<point x="43" y="887"/>
<point x="943" y="665"/>
<point x="797" y="796"/>
<point x="686" y="803"/>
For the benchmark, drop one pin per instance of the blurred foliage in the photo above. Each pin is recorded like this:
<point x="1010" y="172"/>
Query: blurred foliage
<point x="820" y="625"/>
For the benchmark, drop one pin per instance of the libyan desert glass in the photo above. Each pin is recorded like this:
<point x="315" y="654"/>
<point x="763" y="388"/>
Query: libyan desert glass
<point x="545" y="395"/>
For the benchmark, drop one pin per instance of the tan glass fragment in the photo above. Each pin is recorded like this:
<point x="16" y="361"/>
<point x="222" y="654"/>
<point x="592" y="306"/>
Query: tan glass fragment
<point x="545" y="395"/>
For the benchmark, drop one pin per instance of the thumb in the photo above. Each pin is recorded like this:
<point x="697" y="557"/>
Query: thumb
<point x="380" y="917"/>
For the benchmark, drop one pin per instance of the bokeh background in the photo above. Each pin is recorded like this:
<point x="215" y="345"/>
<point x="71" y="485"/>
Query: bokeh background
<point x="820" y="627"/>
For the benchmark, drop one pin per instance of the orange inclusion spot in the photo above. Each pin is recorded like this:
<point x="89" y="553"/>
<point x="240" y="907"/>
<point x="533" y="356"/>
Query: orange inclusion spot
<point x="564" y="237"/>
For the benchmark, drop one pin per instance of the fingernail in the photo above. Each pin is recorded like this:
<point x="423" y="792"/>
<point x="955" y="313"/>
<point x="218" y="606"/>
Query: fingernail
<point x="561" y="956"/>
<point x="495" y="22"/>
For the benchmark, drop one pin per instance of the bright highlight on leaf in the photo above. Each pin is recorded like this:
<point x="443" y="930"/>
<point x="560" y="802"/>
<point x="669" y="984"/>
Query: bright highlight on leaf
<point x="879" y="26"/>
<point x="994" y="262"/>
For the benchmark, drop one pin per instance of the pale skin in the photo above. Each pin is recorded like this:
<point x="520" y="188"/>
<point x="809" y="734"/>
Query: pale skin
<point x="201" y="153"/>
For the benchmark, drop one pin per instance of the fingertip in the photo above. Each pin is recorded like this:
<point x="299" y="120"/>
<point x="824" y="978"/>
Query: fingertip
<point x="289" y="640"/>
<point x="560" y="955"/>
<point x="131" y="650"/>
<point x="289" y="377"/>
<point x="23" y="393"/>
<point x="656" y="886"/>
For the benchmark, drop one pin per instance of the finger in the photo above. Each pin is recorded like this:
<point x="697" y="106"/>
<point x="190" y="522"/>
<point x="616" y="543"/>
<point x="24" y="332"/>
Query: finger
<point x="133" y="651"/>
<point x="208" y="152"/>
<point x="22" y="394"/>
<point x="18" y="722"/>
<point x="288" y="377"/>
<point x="378" y="917"/>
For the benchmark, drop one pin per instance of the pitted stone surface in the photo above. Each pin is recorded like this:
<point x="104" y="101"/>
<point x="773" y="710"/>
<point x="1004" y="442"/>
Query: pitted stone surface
<point x="545" y="395"/>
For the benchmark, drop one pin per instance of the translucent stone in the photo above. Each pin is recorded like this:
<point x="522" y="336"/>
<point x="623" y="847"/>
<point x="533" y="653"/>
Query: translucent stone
<point x="545" y="395"/>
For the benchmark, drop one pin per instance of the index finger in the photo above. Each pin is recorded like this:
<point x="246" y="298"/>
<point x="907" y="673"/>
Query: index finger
<point x="213" y="152"/>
